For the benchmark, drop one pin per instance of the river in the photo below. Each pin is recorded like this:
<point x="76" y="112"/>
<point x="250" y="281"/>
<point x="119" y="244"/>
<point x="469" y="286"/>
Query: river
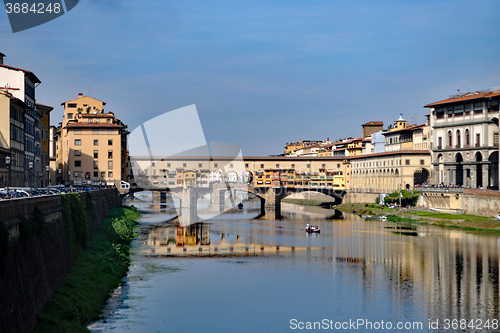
<point x="235" y="273"/>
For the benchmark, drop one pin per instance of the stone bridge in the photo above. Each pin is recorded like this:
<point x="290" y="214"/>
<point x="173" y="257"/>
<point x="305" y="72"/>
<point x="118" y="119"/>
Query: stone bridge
<point x="269" y="196"/>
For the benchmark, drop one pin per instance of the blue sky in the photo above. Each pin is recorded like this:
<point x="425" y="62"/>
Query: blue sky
<point x="262" y="73"/>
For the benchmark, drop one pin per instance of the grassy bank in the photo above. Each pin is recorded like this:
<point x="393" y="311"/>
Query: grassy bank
<point x="97" y="270"/>
<point x="458" y="221"/>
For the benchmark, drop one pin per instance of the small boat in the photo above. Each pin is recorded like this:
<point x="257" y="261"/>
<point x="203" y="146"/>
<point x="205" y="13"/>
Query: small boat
<point x="312" y="229"/>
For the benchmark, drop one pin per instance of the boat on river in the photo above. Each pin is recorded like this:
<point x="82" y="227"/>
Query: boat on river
<point x="312" y="229"/>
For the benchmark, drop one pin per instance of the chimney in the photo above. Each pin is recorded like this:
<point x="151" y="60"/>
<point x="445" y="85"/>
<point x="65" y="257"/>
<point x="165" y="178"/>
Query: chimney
<point x="80" y="95"/>
<point x="1" y="58"/>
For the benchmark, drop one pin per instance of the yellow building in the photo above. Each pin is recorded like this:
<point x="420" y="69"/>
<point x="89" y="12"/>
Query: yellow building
<point x="92" y="143"/>
<point x="390" y="171"/>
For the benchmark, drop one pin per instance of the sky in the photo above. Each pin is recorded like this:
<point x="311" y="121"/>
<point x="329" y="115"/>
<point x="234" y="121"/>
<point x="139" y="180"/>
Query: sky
<point x="263" y="73"/>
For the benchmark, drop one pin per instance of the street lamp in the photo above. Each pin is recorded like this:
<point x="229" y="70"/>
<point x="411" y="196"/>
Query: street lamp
<point x="59" y="171"/>
<point x="31" y="184"/>
<point x="47" y="168"/>
<point x="7" y="161"/>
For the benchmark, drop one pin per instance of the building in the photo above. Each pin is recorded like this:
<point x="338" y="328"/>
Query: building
<point x="44" y="134"/>
<point x="12" y="138"/>
<point x="390" y="171"/>
<point x="21" y="84"/>
<point x="464" y="139"/>
<point x="90" y="145"/>
<point x="372" y="127"/>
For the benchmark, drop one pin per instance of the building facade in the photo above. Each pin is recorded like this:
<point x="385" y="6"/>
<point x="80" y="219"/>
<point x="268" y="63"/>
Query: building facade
<point x="89" y="149"/>
<point x="464" y="134"/>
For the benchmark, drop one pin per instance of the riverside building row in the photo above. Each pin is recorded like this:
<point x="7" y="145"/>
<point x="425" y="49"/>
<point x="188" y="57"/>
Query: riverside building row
<point x="87" y="148"/>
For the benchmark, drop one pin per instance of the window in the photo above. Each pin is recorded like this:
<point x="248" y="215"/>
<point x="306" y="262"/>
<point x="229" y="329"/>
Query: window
<point x="90" y="120"/>
<point x="110" y="154"/>
<point x="449" y="139"/>
<point x="201" y="165"/>
<point x="467" y="138"/>
<point x="231" y="165"/>
<point x="78" y="153"/>
<point x="323" y="166"/>
<point x="277" y="165"/>
<point x="103" y="174"/>
<point x="262" y="166"/>
<point x="440" y="113"/>
<point x="449" y="111"/>
<point x="110" y="164"/>
<point x="458" y="139"/>
<point x="440" y="143"/>
<point x="421" y="162"/>
<point x="168" y="165"/>
<point x="96" y="166"/>
<point x="308" y="165"/>
<point x="293" y="166"/>
<point x="95" y="131"/>
<point x="110" y="142"/>
<point x="184" y="165"/>
<point x="478" y="107"/>
<point x="96" y="142"/>
<point x="96" y="174"/>
<point x="467" y="109"/>
<point x="78" y="142"/>
<point x="478" y="140"/>
<point x="215" y="165"/>
<point x="110" y="131"/>
<point x="71" y="105"/>
<point x="108" y="120"/>
<point x="78" y="163"/>
<point x="78" y="131"/>
<point x="495" y="139"/>
<point x="96" y="154"/>
<point x="97" y="120"/>
<point x="110" y="174"/>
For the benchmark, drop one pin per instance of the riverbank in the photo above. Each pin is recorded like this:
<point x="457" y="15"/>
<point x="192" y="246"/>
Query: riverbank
<point x="423" y="216"/>
<point x="96" y="272"/>
<point x="420" y="216"/>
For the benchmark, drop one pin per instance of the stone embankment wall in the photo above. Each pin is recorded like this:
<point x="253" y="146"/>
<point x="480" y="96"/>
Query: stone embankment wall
<point x="481" y="202"/>
<point x="360" y="197"/>
<point x="33" y="263"/>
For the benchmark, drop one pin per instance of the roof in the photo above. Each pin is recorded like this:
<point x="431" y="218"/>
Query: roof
<point x="80" y="97"/>
<point x="45" y="106"/>
<point x="12" y="98"/>
<point x="374" y="123"/>
<point x="80" y="124"/>
<point x="409" y="128"/>
<point x="465" y="97"/>
<point x="398" y="152"/>
<point x="28" y="73"/>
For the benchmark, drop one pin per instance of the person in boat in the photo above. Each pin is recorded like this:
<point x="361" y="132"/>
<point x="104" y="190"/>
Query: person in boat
<point x="307" y="226"/>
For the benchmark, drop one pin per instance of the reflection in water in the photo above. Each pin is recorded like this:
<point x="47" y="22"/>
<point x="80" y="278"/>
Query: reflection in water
<point x="359" y="269"/>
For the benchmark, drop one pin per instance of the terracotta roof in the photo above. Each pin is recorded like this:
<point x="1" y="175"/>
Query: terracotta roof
<point x="465" y="97"/>
<point x="409" y="128"/>
<point x="45" y="106"/>
<point x="373" y="123"/>
<point x="80" y="124"/>
<point x="36" y="80"/>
